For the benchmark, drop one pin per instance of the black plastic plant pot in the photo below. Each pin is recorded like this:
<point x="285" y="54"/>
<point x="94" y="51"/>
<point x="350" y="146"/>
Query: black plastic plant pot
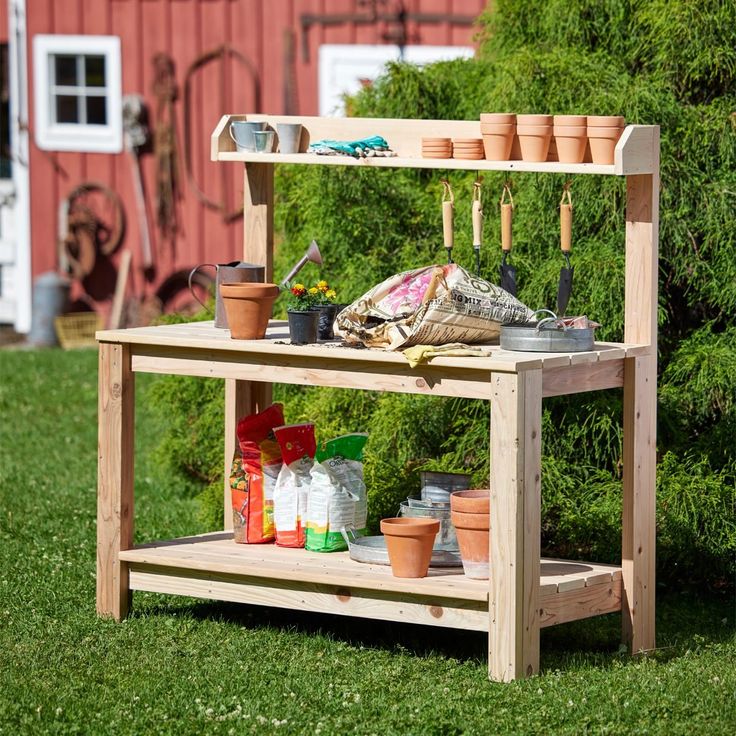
<point x="327" y="314"/>
<point x="303" y="327"/>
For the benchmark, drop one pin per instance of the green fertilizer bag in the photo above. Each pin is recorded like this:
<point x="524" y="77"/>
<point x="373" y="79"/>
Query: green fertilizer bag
<point x="337" y="495"/>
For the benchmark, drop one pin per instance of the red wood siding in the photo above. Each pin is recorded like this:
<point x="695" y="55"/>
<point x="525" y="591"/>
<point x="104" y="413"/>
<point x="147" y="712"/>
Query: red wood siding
<point x="186" y="29"/>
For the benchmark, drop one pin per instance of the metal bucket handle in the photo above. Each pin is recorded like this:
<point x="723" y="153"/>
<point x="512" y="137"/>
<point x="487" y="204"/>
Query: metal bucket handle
<point x="189" y="282"/>
<point x="554" y="320"/>
<point x="349" y="534"/>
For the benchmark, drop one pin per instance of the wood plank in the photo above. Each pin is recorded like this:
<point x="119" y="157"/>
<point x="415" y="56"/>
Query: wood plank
<point x="637" y="151"/>
<point x="116" y="397"/>
<point x="639" y="503"/>
<point x="516" y="418"/>
<point x="579" y="378"/>
<point x="258" y="216"/>
<point x="573" y="605"/>
<point x="322" y="598"/>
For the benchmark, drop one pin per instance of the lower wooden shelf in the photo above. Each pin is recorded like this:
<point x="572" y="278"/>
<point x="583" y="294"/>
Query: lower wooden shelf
<point x="213" y="566"/>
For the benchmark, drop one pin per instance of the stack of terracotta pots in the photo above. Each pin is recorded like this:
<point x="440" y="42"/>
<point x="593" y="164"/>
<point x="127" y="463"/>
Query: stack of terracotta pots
<point x="467" y="148"/>
<point x="603" y="134"/>
<point x="571" y="138"/>
<point x="498" y="130"/>
<point x="470" y="512"/>
<point x="535" y="136"/>
<point x="436" y="148"/>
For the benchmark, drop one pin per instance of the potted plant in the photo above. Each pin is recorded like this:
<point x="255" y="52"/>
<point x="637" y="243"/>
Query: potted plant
<point x="325" y="305"/>
<point x="303" y="320"/>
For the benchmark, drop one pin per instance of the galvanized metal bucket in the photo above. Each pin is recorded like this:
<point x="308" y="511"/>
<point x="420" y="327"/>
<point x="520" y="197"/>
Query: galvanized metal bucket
<point x="437" y="487"/>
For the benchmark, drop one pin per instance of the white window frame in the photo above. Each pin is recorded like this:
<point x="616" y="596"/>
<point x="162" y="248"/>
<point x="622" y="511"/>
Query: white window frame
<point x="53" y="136"/>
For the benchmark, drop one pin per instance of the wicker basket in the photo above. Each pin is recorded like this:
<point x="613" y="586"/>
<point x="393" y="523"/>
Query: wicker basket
<point x="77" y="330"/>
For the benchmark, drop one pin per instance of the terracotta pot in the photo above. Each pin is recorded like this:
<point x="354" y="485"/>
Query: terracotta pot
<point x="471" y="502"/>
<point x="603" y="144"/>
<point x="534" y="147"/>
<point x="473" y="538"/>
<point x="534" y="119"/>
<point x="606" y="121"/>
<point x="248" y="307"/>
<point x="409" y="542"/>
<point x="569" y="120"/>
<point x="498" y="147"/>
<point x="571" y="143"/>
<point x="497" y="117"/>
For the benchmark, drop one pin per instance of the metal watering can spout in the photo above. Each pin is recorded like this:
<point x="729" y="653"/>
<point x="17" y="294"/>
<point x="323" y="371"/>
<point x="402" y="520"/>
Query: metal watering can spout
<point x="312" y="255"/>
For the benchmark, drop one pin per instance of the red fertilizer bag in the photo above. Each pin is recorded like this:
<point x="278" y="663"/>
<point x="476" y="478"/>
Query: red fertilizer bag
<point x="253" y="476"/>
<point x="290" y="496"/>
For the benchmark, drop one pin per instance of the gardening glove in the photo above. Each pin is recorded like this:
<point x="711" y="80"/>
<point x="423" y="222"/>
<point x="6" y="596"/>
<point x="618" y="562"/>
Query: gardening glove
<point x="422" y="353"/>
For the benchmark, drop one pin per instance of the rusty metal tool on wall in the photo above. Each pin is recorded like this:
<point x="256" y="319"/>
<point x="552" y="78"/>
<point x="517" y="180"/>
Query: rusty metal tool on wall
<point x="564" y="289"/>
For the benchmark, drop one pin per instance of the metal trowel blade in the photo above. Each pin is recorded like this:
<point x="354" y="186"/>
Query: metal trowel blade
<point x="508" y="279"/>
<point x="564" y="290"/>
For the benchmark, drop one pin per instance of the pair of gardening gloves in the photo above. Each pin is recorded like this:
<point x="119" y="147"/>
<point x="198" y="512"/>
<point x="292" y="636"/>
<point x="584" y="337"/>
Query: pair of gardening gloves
<point x="358" y="149"/>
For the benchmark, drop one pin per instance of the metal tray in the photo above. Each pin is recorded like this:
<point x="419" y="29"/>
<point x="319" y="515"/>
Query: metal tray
<point x="547" y="336"/>
<point x="372" y="550"/>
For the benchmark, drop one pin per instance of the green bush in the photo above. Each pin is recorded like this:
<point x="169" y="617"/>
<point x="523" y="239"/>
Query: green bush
<point x="668" y="63"/>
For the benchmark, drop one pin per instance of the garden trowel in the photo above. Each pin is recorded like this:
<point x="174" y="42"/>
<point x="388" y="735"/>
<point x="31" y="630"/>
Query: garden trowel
<point x="564" y="289"/>
<point x="448" y="215"/>
<point x="477" y="214"/>
<point x="508" y="272"/>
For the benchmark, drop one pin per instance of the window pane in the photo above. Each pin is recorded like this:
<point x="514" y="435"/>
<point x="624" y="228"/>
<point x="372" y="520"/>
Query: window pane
<point x="94" y="71"/>
<point x="96" y="112"/>
<point x="66" y="109"/>
<point x="65" y="69"/>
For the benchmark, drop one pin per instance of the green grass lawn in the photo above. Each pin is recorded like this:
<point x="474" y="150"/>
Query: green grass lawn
<point x="183" y="666"/>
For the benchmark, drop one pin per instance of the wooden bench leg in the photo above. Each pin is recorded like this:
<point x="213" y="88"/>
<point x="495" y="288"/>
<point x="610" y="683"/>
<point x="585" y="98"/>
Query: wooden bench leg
<point x="639" y="503"/>
<point x="116" y="412"/>
<point x="241" y="398"/>
<point x="516" y="451"/>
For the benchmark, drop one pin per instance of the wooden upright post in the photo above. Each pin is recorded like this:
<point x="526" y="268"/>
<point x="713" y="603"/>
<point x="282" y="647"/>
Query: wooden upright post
<point x="116" y="408"/>
<point x="640" y="409"/>
<point x="244" y="397"/>
<point x="516" y="455"/>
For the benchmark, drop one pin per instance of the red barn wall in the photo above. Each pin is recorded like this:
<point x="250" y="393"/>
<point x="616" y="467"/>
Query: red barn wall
<point x="186" y="29"/>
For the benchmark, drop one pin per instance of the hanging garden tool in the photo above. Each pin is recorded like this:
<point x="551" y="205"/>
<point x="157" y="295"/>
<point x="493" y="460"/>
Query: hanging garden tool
<point x="477" y="212"/>
<point x="448" y="214"/>
<point x="508" y="272"/>
<point x="564" y="288"/>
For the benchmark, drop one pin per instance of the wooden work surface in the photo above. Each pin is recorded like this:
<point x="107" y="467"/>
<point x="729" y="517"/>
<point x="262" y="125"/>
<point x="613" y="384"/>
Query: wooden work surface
<point x="204" y="336"/>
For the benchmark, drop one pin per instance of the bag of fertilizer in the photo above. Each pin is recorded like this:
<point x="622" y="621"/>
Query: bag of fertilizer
<point x="298" y="447"/>
<point x="255" y="467"/>
<point x="337" y="494"/>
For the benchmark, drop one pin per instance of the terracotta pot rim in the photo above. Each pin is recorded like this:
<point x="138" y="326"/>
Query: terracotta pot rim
<point x="409" y="526"/>
<point x="249" y="290"/>
<point x="473" y="501"/>
<point x="497" y="117"/>
<point x="534" y="119"/>
<point x="572" y="120"/>
<point x="606" y="121"/>
<point x="570" y="131"/>
<point x="533" y="130"/>
<point x="494" y="127"/>
<point x="465" y="520"/>
<point x="604" y="132"/>
<point x="436" y="140"/>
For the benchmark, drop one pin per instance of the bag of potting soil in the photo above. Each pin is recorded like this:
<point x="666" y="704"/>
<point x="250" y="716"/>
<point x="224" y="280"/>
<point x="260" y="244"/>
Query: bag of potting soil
<point x="255" y="467"/>
<point x="434" y="305"/>
<point x="290" y="495"/>
<point x="337" y="494"/>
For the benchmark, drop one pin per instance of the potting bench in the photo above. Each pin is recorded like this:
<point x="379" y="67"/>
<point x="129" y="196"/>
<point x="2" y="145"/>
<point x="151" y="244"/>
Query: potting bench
<point x="524" y="593"/>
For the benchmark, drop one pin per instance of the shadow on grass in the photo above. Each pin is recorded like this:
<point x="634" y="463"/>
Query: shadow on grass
<point x="684" y="622"/>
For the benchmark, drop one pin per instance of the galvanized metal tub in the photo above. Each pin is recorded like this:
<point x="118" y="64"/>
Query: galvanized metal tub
<point x="372" y="551"/>
<point x="547" y="336"/>
<point x="446" y="538"/>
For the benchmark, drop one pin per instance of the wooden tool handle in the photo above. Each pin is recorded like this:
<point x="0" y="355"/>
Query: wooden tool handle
<point x="477" y="224"/>
<point x="507" y="216"/>
<point x="566" y="227"/>
<point x="447" y="224"/>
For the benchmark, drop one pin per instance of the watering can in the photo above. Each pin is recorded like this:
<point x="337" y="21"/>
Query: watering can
<point x="235" y="272"/>
<point x="238" y="272"/>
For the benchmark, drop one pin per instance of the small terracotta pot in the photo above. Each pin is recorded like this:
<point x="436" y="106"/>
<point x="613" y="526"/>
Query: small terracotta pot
<point x="498" y="147"/>
<point x="471" y="502"/>
<point x="535" y="147"/>
<point x="497" y="117"/>
<point x="473" y="537"/>
<point x="570" y="120"/>
<point x="409" y="541"/>
<point x="606" y="121"/>
<point x="571" y="143"/>
<point x="603" y="144"/>
<point x="534" y="119"/>
<point x="248" y="307"/>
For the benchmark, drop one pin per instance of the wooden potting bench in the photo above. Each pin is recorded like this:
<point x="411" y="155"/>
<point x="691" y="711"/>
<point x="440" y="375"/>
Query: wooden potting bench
<point x="524" y="593"/>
